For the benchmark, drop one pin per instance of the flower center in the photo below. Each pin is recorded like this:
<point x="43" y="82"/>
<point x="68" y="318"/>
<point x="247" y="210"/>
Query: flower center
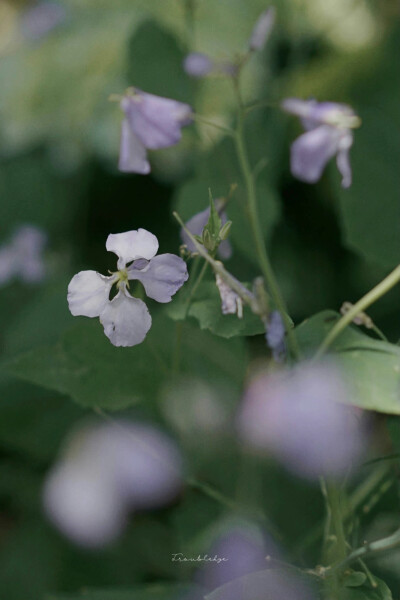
<point x="122" y="278"/>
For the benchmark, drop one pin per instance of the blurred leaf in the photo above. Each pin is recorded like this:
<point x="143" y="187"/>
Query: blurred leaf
<point x="206" y="308"/>
<point x="87" y="367"/>
<point x="367" y="592"/>
<point x="372" y="366"/>
<point x="154" y="592"/>
<point x="156" y="63"/>
<point x="370" y="208"/>
<point x="354" y="579"/>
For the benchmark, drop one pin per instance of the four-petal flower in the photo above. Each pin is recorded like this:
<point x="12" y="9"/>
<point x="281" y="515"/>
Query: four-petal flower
<point x="126" y="319"/>
<point x="329" y="133"/>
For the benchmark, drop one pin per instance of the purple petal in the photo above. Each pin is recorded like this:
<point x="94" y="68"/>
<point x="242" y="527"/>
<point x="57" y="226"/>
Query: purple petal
<point x="126" y="320"/>
<point x="42" y="18"/>
<point x="132" y="153"/>
<point x="197" y="64"/>
<point x="311" y="152"/>
<point x="262" y="29"/>
<point x="161" y="277"/>
<point x="275" y="336"/>
<point x="343" y="159"/>
<point x="301" y="417"/>
<point x="155" y="120"/>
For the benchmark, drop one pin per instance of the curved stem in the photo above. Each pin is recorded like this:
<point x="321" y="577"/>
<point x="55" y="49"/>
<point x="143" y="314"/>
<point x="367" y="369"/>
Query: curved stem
<point x="377" y="292"/>
<point x="262" y="255"/>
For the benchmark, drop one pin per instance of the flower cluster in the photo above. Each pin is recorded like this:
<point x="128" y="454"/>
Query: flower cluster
<point x="126" y="319"/>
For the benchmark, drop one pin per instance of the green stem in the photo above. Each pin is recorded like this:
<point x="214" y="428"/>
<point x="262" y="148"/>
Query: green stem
<point x="205" y="121"/>
<point x="252" y="209"/>
<point x="337" y="516"/>
<point x="367" y="550"/>
<point x="377" y="292"/>
<point x="195" y="287"/>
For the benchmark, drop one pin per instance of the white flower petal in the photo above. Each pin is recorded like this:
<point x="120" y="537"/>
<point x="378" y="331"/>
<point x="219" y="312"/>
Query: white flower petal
<point x="126" y="320"/>
<point x="132" y="245"/>
<point x="132" y="153"/>
<point x="162" y="277"/>
<point x="311" y="152"/>
<point x="88" y="293"/>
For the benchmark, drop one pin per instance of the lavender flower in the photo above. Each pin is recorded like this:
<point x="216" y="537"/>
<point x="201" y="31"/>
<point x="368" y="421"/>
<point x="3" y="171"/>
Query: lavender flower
<point x="328" y="133"/>
<point x="262" y="29"/>
<point x="40" y="19"/>
<point x="197" y="64"/>
<point x="196" y="225"/>
<point x="22" y="257"/>
<point x="105" y="472"/>
<point x="150" y="123"/>
<point x="275" y="336"/>
<point x="126" y="319"/>
<point x="301" y="418"/>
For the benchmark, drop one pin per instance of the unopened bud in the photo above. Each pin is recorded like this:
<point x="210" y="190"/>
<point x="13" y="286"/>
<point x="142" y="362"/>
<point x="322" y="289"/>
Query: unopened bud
<point x="225" y="229"/>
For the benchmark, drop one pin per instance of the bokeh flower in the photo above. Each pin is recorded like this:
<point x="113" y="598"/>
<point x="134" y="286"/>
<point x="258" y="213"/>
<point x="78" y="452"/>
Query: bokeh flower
<point x="151" y="122"/>
<point x="262" y="29"/>
<point x="126" y="319"/>
<point x="329" y="133"/>
<point x="22" y="257"/>
<point x="301" y="417"/>
<point x="197" y="64"/>
<point x="107" y="471"/>
<point x="39" y="20"/>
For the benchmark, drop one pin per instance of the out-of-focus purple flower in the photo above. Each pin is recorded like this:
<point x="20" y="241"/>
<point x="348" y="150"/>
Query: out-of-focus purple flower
<point x="231" y="302"/>
<point x="275" y="336"/>
<point x="125" y="318"/>
<point x="240" y="550"/>
<point x="40" y="19"/>
<point x="151" y="122"/>
<point x="301" y="418"/>
<point x="22" y="257"/>
<point x="107" y="471"/>
<point x="266" y="584"/>
<point x="328" y="133"/>
<point x="196" y="225"/>
<point x="198" y="64"/>
<point x="262" y="29"/>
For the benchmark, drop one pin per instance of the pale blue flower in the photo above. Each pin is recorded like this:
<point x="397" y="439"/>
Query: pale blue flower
<point x="22" y="257"/>
<point x="126" y="319"/>
<point x="328" y="133"/>
<point x="198" y="64"/>
<point x="301" y="417"/>
<point x="151" y="122"/>
<point x="262" y="29"/>
<point x="105" y="472"/>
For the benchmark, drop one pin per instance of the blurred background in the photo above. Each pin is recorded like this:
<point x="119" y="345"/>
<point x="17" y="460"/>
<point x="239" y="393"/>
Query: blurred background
<point x="59" y="140"/>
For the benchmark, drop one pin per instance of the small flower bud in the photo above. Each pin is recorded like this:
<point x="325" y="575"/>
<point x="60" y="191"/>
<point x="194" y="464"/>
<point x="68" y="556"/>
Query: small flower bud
<point x="225" y="229"/>
<point x="208" y="241"/>
<point x="262" y="29"/>
<point x="197" y="64"/>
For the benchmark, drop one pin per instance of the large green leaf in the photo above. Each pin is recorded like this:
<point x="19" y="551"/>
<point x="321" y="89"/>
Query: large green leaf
<point x="372" y="366"/>
<point x="206" y="309"/>
<point x="87" y="367"/>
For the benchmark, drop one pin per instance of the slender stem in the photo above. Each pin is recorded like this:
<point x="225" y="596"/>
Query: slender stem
<point x="205" y="121"/>
<point x="195" y="287"/>
<point x="377" y="292"/>
<point x="262" y="255"/>
<point x="334" y="499"/>
<point x="368" y="550"/>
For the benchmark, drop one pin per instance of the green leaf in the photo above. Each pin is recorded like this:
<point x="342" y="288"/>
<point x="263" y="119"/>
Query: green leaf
<point x="205" y="307"/>
<point x="372" y="366"/>
<point x="153" y="592"/>
<point x="355" y="579"/>
<point x="367" y="592"/>
<point x="86" y="366"/>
